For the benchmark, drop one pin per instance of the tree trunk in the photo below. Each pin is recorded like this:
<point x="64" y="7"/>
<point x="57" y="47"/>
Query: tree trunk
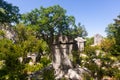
<point x="61" y="62"/>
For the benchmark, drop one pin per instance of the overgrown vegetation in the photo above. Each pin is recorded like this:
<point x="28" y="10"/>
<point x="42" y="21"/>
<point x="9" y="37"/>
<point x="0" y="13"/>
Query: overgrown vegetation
<point x="34" y="32"/>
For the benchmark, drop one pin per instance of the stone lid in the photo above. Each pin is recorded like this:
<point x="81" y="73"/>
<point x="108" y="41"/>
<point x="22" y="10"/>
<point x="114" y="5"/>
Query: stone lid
<point x="80" y="39"/>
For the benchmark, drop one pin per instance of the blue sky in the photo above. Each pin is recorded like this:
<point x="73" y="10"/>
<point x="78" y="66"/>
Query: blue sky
<point x="95" y="15"/>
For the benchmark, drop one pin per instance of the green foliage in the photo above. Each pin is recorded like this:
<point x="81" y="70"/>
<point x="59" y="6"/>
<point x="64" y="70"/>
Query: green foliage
<point x="113" y="43"/>
<point x="113" y="31"/>
<point x="76" y="58"/>
<point x="111" y="46"/>
<point x="2" y="34"/>
<point x="89" y="61"/>
<point x="78" y="31"/>
<point x="102" y="63"/>
<point x="110" y="58"/>
<point x="8" y="13"/>
<point x="12" y="68"/>
<point x="89" y="41"/>
<point x="45" y="61"/>
<point x="53" y="21"/>
<point x="110" y="30"/>
<point x="107" y="45"/>
<point x="25" y="42"/>
<point x="48" y="75"/>
<point x="2" y="11"/>
<point x="32" y="68"/>
<point x="5" y="46"/>
<point x="44" y="24"/>
<point x="90" y="51"/>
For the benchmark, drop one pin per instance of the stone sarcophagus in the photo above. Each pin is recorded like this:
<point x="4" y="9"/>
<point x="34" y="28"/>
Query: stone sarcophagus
<point x="62" y="52"/>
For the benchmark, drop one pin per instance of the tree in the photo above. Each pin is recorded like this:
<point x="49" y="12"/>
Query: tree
<point x="8" y="13"/>
<point x="25" y="42"/>
<point x="12" y="69"/>
<point x="89" y="41"/>
<point x="113" y="31"/>
<point x="78" y="30"/>
<point x="107" y="45"/>
<point x="110" y="30"/>
<point x="53" y="21"/>
<point x="102" y="60"/>
<point x="26" y="37"/>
